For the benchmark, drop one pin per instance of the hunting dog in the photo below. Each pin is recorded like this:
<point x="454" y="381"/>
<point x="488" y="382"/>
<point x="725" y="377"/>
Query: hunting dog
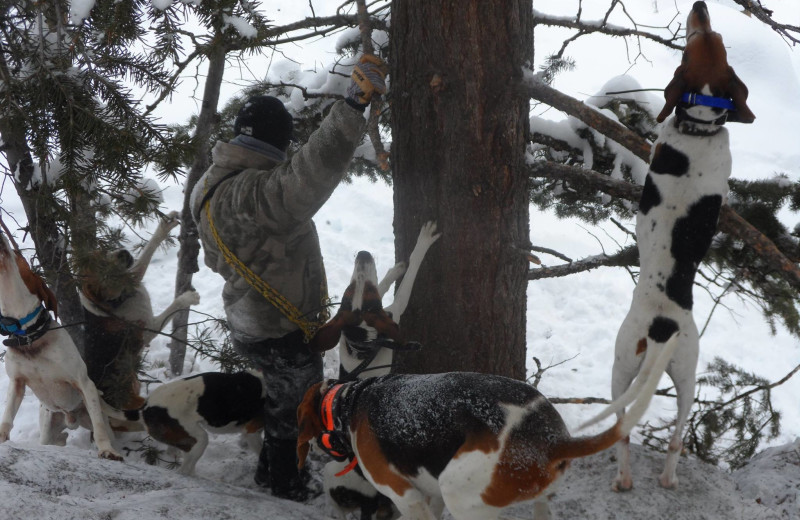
<point x="43" y="357"/>
<point x="119" y="318"/>
<point x="181" y="412"/>
<point x="475" y="443"/>
<point x="367" y="335"/>
<point x="678" y="212"/>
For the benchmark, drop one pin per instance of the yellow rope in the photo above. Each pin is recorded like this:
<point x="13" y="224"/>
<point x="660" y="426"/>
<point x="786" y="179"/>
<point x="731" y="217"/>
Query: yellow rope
<point x="280" y="302"/>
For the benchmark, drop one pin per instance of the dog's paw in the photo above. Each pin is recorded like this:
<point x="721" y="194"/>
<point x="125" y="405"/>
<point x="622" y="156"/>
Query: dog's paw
<point x="428" y="234"/>
<point x="189" y="298"/>
<point x="622" y="484"/>
<point x="109" y="454"/>
<point x="168" y="223"/>
<point x="397" y="270"/>
<point x="5" y="433"/>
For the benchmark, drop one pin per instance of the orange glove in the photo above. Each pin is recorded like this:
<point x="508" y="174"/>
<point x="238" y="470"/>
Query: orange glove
<point x="367" y="80"/>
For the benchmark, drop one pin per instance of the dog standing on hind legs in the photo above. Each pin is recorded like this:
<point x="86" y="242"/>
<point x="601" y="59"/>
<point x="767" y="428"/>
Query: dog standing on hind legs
<point x="119" y="317"/>
<point x="678" y="212"/>
<point x="367" y="335"/>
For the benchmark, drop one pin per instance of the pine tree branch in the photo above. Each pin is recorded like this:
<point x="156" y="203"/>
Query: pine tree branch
<point x="765" y="15"/>
<point x="589" y="115"/>
<point x="625" y="257"/>
<point x="729" y="222"/>
<point x="564" y="172"/>
<point x="602" y="27"/>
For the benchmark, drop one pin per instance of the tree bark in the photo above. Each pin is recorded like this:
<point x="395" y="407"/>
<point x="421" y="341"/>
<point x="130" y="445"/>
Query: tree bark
<point x="459" y="130"/>
<point x="188" y="237"/>
<point x="41" y="222"/>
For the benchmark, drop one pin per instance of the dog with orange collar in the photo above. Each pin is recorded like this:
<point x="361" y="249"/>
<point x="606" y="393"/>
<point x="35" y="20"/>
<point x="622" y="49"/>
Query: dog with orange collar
<point x="475" y="443"/>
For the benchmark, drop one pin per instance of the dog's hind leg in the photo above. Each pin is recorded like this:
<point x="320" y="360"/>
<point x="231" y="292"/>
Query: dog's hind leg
<point x="51" y="427"/>
<point x="684" y="380"/>
<point x="620" y="381"/>
<point x="191" y="457"/>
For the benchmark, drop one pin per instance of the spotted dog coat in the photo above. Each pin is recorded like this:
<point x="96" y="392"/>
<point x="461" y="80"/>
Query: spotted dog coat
<point x="43" y="357"/>
<point x="181" y="412"/>
<point x="360" y="327"/>
<point x="120" y="323"/>
<point x="678" y="212"/>
<point x="475" y="443"/>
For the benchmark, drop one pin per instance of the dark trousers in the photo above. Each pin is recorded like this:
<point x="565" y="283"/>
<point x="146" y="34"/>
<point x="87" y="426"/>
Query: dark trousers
<point x="289" y="370"/>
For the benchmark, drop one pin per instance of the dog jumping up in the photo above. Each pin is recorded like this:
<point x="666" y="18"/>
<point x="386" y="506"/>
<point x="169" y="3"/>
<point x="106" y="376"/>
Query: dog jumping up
<point x="678" y="212"/>
<point x="181" y="412"/>
<point x="42" y="356"/>
<point x="120" y="321"/>
<point x="367" y="335"/>
<point x="474" y="443"/>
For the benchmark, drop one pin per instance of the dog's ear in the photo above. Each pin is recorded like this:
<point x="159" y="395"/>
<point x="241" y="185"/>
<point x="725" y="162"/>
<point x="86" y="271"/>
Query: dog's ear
<point x="738" y="92"/>
<point x="124" y="257"/>
<point x="36" y="285"/>
<point x="309" y="423"/>
<point x="672" y="94"/>
<point x="381" y="322"/>
<point x="328" y="335"/>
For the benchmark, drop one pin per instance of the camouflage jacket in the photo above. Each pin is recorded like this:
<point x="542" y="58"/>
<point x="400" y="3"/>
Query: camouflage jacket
<point x="263" y="215"/>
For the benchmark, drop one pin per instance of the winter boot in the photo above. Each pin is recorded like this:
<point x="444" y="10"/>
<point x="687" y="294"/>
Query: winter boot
<point x="285" y="479"/>
<point x="262" y="470"/>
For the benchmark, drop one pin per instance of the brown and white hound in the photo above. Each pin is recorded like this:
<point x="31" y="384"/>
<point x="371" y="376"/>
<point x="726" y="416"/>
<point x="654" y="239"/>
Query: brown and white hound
<point x="367" y="335"/>
<point x="678" y="212"/>
<point x="119" y="317"/>
<point x="41" y="355"/>
<point x="475" y="443"/>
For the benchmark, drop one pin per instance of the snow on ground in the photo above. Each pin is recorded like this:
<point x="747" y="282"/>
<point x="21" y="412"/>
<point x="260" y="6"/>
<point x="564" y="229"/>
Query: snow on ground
<point x="572" y="320"/>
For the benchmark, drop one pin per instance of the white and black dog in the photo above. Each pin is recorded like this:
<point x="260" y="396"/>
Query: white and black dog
<point x="119" y="317"/>
<point x="181" y="412"/>
<point x="367" y="335"/>
<point x="678" y="212"/>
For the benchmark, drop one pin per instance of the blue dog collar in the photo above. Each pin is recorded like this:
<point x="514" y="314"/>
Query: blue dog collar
<point x="10" y="326"/>
<point x="708" y="101"/>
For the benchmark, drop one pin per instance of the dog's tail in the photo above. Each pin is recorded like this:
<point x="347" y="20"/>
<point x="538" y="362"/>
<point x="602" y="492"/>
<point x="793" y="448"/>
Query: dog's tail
<point x="655" y="364"/>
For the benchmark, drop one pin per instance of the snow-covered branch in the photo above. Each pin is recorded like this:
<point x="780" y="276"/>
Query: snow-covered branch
<point x="602" y="27"/>
<point x="789" y="32"/>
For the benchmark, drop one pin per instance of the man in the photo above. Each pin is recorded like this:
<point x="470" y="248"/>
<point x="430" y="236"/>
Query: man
<point x="253" y="209"/>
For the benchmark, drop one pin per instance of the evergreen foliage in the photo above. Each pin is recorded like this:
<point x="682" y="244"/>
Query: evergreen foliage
<point x="729" y="428"/>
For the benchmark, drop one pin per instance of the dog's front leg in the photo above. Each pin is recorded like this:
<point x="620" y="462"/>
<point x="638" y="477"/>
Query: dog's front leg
<point x="167" y="224"/>
<point x="16" y="391"/>
<point x="184" y="301"/>
<point x="427" y="236"/>
<point x="100" y="426"/>
<point x="392" y="275"/>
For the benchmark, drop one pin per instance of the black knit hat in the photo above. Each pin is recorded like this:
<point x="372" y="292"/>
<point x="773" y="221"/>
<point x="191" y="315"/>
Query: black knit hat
<point x="266" y="119"/>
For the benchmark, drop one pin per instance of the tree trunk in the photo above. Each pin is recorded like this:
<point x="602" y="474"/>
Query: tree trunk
<point x="42" y="226"/>
<point x="459" y="130"/>
<point x="188" y="238"/>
